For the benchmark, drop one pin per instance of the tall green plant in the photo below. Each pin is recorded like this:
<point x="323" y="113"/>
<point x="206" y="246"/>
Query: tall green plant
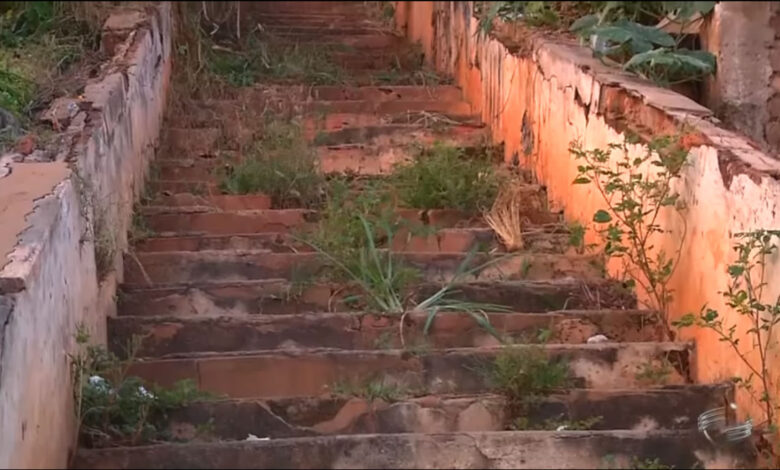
<point x="745" y="295"/>
<point x="384" y="279"/>
<point x="636" y="188"/>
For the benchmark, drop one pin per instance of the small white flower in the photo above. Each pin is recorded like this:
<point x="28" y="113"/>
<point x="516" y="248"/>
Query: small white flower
<point x="96" y="380"/>
<point x="99" y="383"/>
<point x="145" y="393"/>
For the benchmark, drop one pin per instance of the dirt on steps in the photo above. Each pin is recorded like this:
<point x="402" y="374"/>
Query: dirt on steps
<point x="224" y="290"/>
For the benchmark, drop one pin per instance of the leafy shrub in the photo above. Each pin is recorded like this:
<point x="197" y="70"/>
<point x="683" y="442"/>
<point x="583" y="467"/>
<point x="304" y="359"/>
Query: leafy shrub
<point x="281" y="165"/>
<point x="443" y="176"/>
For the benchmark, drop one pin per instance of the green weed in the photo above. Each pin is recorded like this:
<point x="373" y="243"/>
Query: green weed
<point x="655" y="373"/>
<point x="371" y="390"/>
<point x="443" y="177"/>
<point x="281" y="165"/>
<point x="114" y="408"/>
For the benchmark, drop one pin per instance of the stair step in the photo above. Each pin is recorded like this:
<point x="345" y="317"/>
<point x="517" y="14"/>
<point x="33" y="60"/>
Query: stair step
<point x="205" y="220"/>
<point x="178" y="334"/>
<point x="278" y="296"/>
<point x="519" y="449"/>
<point x="183" y="266"/>
<point x="175" y="220"/>
<point x="673" y="407"/>
<point x="451" y="240"/>
<point x="304" y="372"/>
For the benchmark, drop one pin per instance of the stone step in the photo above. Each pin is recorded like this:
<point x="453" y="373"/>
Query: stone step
<point x="673" y="407"/>
<point x="165" y="220"/>
<point x="189" y="143"/>
<point x="178" y="334"/>
<point x="519" y="449"/>
<point x="446" y="240"/>
<point x="208" y="221"/>
<point x="306" y="372"/>
<point x="186" y="267"/>
<point x="279" y="297"/>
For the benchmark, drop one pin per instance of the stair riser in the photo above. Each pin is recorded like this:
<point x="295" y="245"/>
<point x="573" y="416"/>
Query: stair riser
<point x="312" y="372"/>
<point x="640" y="410"/>
<point x="184" y="267"/>
<point x="476" y="450"/>
<point x="279" y="297"/>
<point x="172" y="335"/>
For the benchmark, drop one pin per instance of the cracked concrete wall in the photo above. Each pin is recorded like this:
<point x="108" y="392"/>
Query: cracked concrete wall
<point x="742" y="37"/>
<point x="48" y="278"/>
<point x="539" y="94"/>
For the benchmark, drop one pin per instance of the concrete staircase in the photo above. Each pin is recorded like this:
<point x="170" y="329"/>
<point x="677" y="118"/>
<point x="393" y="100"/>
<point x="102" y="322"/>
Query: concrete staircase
<point x="217" y="301"/>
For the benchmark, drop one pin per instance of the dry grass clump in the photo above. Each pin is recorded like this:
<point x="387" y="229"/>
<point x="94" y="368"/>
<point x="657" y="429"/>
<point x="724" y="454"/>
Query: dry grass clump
<point x="505" y="217"/>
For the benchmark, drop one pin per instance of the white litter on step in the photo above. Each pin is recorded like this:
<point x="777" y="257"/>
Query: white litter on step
<point x="252" y="437"/>
<point x="597" y="339"/>
<point x="561" y="428"/>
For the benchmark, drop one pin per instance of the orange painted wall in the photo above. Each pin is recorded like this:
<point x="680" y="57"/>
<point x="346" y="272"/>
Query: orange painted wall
<point x="561" y="93"/>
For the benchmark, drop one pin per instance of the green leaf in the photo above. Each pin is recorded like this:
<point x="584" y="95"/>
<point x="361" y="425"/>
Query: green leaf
<point x="601" y="216"/>
<point x="581" y="180"/>
<point x="736" y="270"/>
<point x="584" y="24"/>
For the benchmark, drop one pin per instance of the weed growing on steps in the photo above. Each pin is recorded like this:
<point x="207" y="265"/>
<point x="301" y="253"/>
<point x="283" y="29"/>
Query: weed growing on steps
<point x="505" y="218"/>
<point x="577" y="237"/>
<point x="637" y="189"/>
<point x="745" y="295"/>
<point x="654" y="373"/>
<point x="255" y="60"/>
<point x="371" y="390"/>
<point x="384" y="279"/>
<point x="114" y="408"/>
<point x="442" y="176"/>
<point x="281" y="165"/>
<point x="523" y="375"/>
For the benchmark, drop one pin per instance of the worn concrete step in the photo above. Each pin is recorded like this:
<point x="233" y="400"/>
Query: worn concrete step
<point x="387" y="93"/>
<point x="179" y="220"/>
<point x="519" y="449"/>
<point x="304" y="372"/>
<point x="673" y="407"/>
<point x="278" y="296"/>
<point x="394" y="107"/>
<point x="203" y="220"/>
<point x="176" y="334"/>
<point x="185" y="266"/>
<point x="198" y="140"/>
<point x="444" y="240"/>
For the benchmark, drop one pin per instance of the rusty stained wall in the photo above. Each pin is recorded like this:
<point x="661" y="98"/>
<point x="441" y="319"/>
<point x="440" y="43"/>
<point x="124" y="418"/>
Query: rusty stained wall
<point x="554" y="92"/>
<point x="48" y="281"/>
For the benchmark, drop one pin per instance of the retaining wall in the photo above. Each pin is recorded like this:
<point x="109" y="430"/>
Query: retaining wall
<point x="49" y="205"/>
<point x="539" y="93"/>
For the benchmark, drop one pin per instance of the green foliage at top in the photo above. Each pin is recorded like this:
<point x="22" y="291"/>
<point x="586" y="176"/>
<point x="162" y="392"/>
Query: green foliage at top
<point x="38" y="41"/>
<point x="623" y="33"/>
<point x="443" y="176"/>
<point x="281" y="164"/>
<point x="637" y="188"/>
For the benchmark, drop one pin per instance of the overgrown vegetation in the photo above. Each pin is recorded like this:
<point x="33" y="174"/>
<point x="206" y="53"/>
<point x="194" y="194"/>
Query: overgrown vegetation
<point x="756" y="320"/>
<point x="647" y="38"/>
<point x="115" y="408"/>
<point x="636" y="183"/>
<point x="281" y="164"/>
<point x="443" y="176"/>
<point x="384" y="280"/>
<point x="45" y="50"/>
<point x="371" y="390"/>
<point x="524" y="375"/>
